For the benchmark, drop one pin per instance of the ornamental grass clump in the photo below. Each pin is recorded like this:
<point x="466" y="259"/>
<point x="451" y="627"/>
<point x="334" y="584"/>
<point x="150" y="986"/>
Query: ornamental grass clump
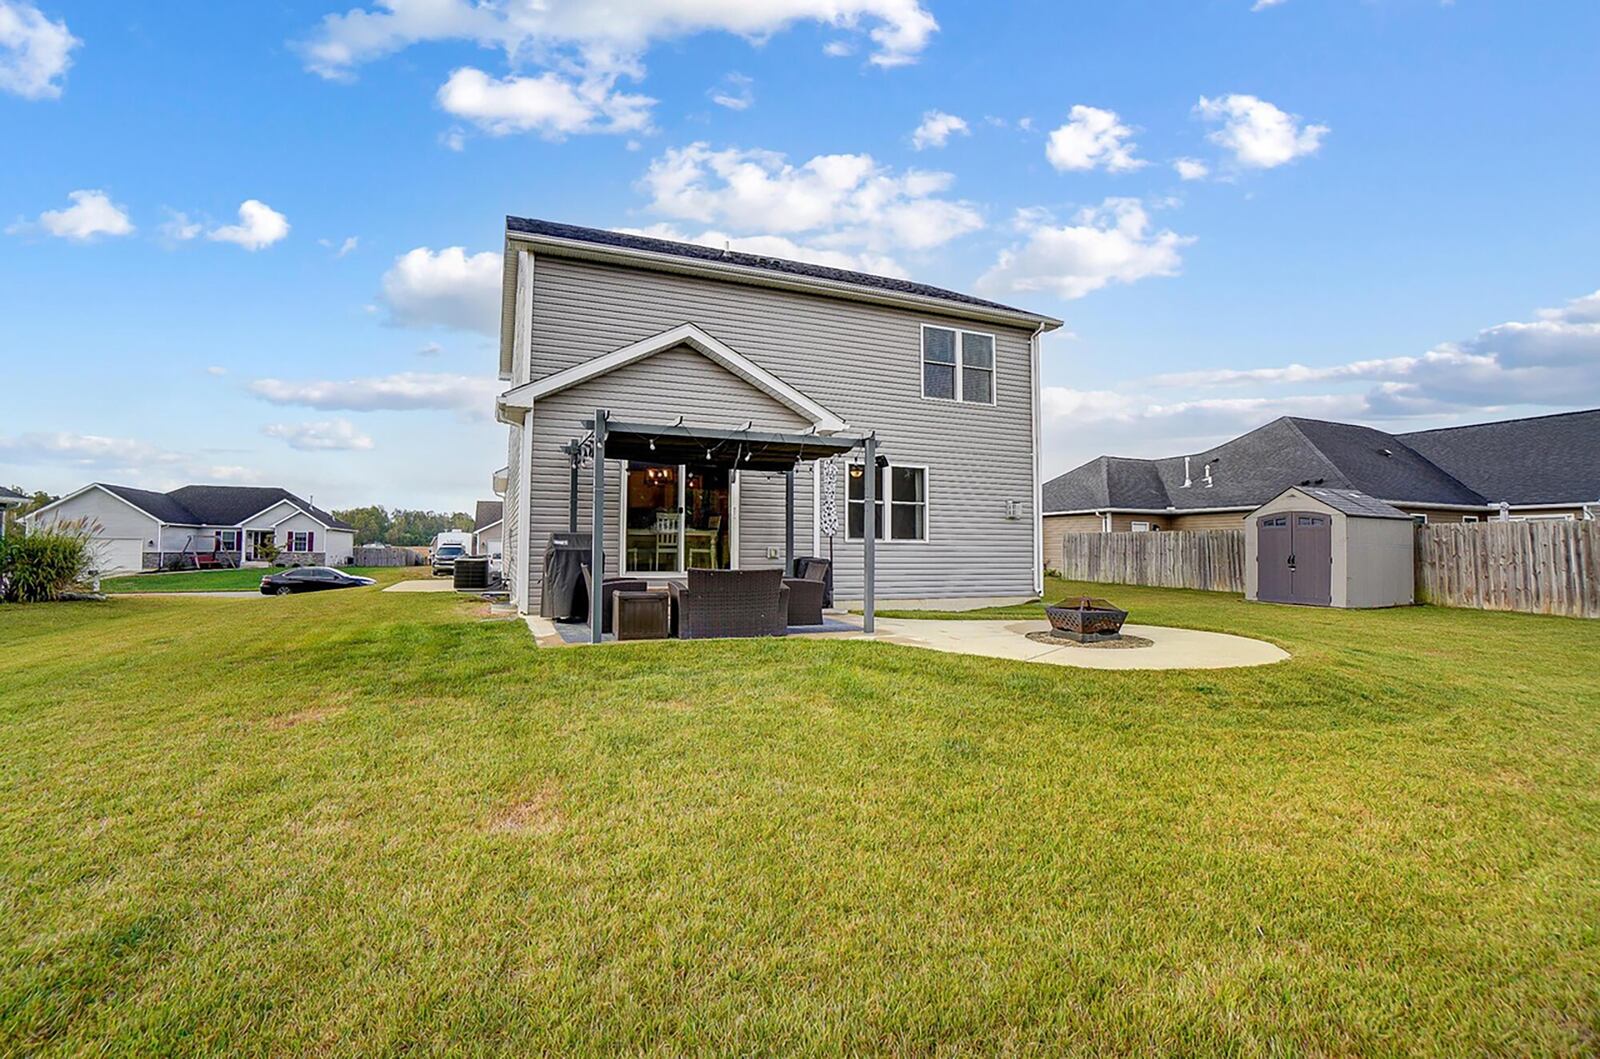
<point x="42" y="566"/>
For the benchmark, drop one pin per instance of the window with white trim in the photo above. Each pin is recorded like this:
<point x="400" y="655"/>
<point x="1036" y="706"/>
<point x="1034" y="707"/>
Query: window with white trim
<point x="957" y="365"/>
<point x="1469" y="518"/>
<point x="1420" y="519"/>
<point x="1140" y="527"/>
<point x="299" y="540"/>
<point x="903" y="488"/>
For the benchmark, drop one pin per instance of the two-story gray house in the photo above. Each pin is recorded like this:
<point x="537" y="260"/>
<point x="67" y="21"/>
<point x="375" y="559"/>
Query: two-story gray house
<point x="662" y="332"/>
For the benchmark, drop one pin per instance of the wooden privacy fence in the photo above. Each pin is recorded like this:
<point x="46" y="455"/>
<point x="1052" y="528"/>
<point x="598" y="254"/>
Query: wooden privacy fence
<point x="1539" y="567"/>
<point x="1212" y="560"/>
<point x="385" y="555"/>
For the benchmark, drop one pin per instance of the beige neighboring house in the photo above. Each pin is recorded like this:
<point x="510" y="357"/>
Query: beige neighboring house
<point x="224" y="525"/>
<point x="1542" y="467"/>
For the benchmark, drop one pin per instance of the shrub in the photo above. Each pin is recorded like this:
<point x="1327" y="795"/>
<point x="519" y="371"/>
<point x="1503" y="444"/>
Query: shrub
<point x="38" y="568"/>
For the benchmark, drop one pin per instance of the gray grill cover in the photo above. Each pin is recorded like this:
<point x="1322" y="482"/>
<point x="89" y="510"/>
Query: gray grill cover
<point x="562" y="596"/>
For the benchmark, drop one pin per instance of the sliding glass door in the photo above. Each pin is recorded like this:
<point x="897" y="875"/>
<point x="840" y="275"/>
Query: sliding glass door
<point x="676" y="517"/>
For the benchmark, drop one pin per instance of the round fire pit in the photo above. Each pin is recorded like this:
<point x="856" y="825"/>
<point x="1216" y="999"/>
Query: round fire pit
<point x="1086" y="621"/>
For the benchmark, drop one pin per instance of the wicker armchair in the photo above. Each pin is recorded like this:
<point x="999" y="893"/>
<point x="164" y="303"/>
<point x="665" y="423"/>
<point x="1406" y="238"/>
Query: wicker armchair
<point x="719" y="603"/>
<point x="608" y="588"/>
<point x="808" y="592"/>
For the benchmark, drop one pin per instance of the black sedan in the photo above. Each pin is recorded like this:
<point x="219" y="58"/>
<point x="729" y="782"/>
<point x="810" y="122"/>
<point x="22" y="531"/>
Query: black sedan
<point x="310" y="579"/>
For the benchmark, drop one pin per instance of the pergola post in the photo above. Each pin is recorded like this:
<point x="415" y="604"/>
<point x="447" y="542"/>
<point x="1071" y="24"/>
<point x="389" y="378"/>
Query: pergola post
<point x="597" y="552"/>
<point x="869" y="536"/>
<point x="788" y="523"/>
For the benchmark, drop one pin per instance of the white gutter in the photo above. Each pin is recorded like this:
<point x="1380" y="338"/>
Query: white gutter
<point x="1168" y="511"/>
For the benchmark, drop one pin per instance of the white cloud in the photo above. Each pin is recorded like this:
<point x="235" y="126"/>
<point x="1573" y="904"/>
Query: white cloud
<point x="1110" y="243"/>
<point x="1092" y="138"/>
<point x="445" y="288"/>
<point x="130" y="459"/>
<point x="936" y="129"/>
<point x="1191" y="169"/>
<point x="91" y="214"/>
<point x="217" y="370"/>
<point x="1550" y="362"/>
<point x="259" y="226"/>
<point x="430" y="349"/>
<point x="1259" y="135"/>
<point x="342" y="249"/>
<point x="838" y="49"/>
<point x="548" y="104"/>
<point x="34" y="51"/>
<point x="736" y="92"/>
<point x="470" y="395"/>
<point x="595" y="38"/>
<point x="1262" y="5"/>
<point x="328" y="435"/>
<point x="179" y="228"/>
<point x="846" y="202"/>
<point x="778" y="246"/>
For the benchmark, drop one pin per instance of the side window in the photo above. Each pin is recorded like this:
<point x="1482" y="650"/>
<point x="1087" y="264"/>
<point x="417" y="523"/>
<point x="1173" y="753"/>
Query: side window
<point x="939" y="363"/>
<point x="977" y="368"/>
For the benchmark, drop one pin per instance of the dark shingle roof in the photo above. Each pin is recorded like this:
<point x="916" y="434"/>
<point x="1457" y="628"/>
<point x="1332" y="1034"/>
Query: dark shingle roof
<point x="215" y="505"/>
<point x="161" y="505"/>
<point x="1552" y="459"/>
<point x="488" y="513"/>
<point x="1253" y="468"/>
<point x="1358" y="505"/>
<point x="625" y="241"/>
<point x="10" y="494"/>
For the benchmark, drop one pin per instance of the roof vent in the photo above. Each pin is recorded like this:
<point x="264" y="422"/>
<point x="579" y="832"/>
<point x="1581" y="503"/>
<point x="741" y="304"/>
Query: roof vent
<point x="1208" y="473"/>
<point x="1387" y="452"/>
<point x="1187" y="481"/>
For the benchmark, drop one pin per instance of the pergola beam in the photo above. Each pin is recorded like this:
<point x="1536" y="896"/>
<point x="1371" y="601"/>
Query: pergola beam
<point x="597" y="546"/>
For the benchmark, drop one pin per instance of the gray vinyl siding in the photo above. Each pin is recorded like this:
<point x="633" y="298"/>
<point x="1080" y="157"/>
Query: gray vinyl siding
<point x="861" y="361"/>
<point x="704" y="393"/>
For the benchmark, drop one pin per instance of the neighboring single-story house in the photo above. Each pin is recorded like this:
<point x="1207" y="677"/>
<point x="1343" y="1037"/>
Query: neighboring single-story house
<point x="1544" y="467"/>
<point x="139" y="529"/>
<point x="486" y="528"/>
<point x="10" y="500"/>
<point x="733" y="362"/>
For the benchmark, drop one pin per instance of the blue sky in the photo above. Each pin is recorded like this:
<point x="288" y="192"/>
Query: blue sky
<point x="258" y="242"/>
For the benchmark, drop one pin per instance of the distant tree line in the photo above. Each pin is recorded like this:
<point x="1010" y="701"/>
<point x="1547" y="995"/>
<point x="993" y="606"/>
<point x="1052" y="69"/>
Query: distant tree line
<point x="379" y="525"/>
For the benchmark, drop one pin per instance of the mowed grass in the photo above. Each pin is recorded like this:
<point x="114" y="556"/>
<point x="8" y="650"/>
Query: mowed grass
<point x="359" y="823"/>
<point x="241" y="580"/>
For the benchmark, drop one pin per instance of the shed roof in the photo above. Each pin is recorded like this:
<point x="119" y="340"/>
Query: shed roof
<point x="1352" y="503"/>
<point x="488" y="513"/>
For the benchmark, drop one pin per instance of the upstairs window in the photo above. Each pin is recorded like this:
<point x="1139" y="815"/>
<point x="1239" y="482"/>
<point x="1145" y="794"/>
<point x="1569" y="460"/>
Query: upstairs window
<point x="957" y="365"/>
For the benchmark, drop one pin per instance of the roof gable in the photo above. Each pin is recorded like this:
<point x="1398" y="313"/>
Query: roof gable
<point x="488" y="513"/>
<point x="691" y="337"/>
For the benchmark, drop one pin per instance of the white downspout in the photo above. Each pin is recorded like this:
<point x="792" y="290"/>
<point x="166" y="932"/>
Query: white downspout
<point x="1038" y="487"/>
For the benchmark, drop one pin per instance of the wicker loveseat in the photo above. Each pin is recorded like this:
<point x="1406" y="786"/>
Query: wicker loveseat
<point x="718" y="603"/>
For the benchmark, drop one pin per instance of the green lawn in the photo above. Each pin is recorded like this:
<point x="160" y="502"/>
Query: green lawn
<point x="243" y="580"/>
<point x="360" y="823"/>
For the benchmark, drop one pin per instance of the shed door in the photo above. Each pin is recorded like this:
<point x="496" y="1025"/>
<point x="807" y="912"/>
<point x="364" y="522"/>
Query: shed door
<point x="1311" y="566"/>
<point x="1294" y="558"/>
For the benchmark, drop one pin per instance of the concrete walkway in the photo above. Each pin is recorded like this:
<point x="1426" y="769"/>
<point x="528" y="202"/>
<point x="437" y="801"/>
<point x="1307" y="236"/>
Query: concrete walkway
<point x="432" y="584"/>
<point x="1170" y="648"/>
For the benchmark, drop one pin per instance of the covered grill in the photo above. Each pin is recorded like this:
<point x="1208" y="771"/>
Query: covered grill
<point x="1089" y="620"/>
<point x="563" y="596"/>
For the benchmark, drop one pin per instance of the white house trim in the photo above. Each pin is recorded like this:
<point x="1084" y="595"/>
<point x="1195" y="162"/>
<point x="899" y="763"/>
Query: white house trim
<point x="689" y="335"/>
<point x="308" y="515"/>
